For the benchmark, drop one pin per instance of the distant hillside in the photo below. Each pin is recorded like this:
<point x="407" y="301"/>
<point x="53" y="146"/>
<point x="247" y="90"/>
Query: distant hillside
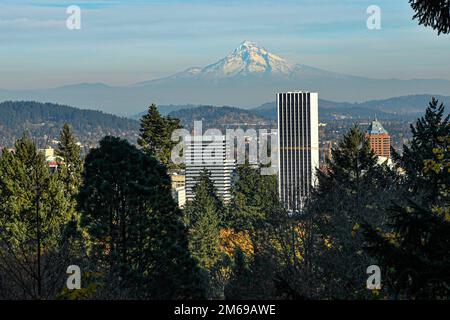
<point x="165" y="110"/>
<point x="219" y="117"/>
<point x="392" y="108"/>
<point x="43" y="121"/>
<point x="248" y="75"/>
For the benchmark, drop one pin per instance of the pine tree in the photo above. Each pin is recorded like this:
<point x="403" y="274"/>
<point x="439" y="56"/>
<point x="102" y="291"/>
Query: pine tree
<point x="433" y="13"/>
<point x="204" y="220"/>
<point x="241" y="281"/>
<point x="254" y="199"/>
<point x="155" y="135"/>
<point x="416" y="252"/>
<point x="69" y="153"/>
<point x="427" y="132"/>
<point x="139" y="240"/>
<point x="354" y="191"/>
<point x="33" y="211"/>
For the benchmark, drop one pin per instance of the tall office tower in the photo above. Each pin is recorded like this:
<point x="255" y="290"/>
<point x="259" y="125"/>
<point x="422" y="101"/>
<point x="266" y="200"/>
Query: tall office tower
<point x="380" y="140"/>
<point x="298" y="146"/>
<point x="211" y="153"/>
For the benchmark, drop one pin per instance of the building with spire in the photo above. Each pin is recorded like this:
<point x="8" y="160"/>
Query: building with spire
<point x="380" y="140"/>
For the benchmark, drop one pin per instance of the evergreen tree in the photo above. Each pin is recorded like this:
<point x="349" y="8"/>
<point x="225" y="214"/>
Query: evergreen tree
<point x="204" y="220"/>
<point x="155" y="135"/>
<point x="433" y="13"/>
<point x="241" y="282"/>
<point x="139" y="240"/>
<point x="69" y="153"/>
<point x="427" y="132"/>
<point x="250" y="199"/>
<point x="33" y="211"/>
<point x="353" y="191"/>
<point x="74" y="243"/>
<point x="416" y="252"/>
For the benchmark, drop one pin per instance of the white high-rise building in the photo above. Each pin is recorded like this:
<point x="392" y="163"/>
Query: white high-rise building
<point x="211" y="153"/>
<point x="298" y="142"/>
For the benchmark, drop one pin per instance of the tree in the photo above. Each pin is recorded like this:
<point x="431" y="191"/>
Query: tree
<point x="255" y="211"/>
<point x="204" y="219"/>
<point x="70" y="161"/>
<point x="155" y="135"/>
<point x="416" y="252"/>
<point x="254" y="197"/>
<point x="241" y="281"/>
<point x="204" y="216"/>
<point x="33" y="212"/>
<point x="427" y="132"/>
<point x="139" y="240"/>
<point x="433" y="13"/>
<point x="354" y="191"/>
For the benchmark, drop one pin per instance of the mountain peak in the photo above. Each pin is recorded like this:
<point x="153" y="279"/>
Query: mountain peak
<point x="248" y="59"/>
<point x="248" y="45"/>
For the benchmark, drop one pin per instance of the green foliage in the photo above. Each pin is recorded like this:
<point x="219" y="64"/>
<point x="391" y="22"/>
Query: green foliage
<point x="241" y="281"/>
<point x="139" y="241"/>
<point x="416" y="252"/>
<point x="156" y="133"/>
<point x="433" y="13"/>
<point x="354" y="191"/>
<point x="252" y="201"/>
<point x="33" y="212"/>
<point x="204" y="219"/>
<point x="45" y="120"/>
<point x="70" y="163"/>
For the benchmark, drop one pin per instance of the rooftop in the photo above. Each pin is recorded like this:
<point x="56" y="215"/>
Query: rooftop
<point x="376" y="128"/>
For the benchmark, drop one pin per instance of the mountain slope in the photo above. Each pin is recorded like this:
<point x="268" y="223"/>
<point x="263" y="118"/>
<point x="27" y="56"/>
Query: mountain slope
<point x="219" y="117"/>
<point x="248" y="76"/>
<point x="43" y="121"/>
<point x="410" y="105"/>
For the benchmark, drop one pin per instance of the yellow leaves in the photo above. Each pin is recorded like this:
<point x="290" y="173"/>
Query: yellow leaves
<point x="355" y="229"/>
<point x="87" y="292"/>
<point x="230" y="240"/>
<point x="328" y="243"/>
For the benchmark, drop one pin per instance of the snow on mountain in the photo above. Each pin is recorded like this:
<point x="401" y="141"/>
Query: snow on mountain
<point x="248" y="59"/>
<point x="252" y="61"/>
<point x="249" y="75"/>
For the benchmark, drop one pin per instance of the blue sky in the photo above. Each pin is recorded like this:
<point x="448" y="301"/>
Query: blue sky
<point x="123" y="42"/>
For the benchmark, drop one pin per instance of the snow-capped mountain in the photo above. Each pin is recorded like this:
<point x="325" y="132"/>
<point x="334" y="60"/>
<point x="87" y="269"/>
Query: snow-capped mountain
<point x="248" y="76"/>
<point x="248" y="59"/>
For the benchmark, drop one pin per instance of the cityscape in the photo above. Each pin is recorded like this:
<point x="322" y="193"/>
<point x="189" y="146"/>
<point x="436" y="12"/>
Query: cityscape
<point x="244" y="182"/>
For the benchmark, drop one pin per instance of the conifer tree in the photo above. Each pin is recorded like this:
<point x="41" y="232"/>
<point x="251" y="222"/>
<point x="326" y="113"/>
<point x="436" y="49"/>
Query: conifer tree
<point x="139" y="240"/>
<point x="241" y="281"/>
<point x="433" y="13"/>
<point x="33" y="211"/>
<point x="69" y="153"/>
<point x="155" y="135"/>
<point x="204" y="220"/>
<point x="355" y="190"/>
<point x="415" y="254"/>
<point x="254" y="199"/>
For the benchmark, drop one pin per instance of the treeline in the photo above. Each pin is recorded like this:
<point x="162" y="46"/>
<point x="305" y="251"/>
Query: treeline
<point x="112" y="215"/>
<point x="45" y="120"/>
<point x="219" y="117"/>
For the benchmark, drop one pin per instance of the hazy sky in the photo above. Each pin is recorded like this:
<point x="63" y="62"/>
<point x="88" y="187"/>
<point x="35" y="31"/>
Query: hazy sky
<point x="123" y="42"/>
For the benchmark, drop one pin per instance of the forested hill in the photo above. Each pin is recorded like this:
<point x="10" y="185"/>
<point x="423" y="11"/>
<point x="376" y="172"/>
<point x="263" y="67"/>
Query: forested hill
<point x="219" y="117"/>
<point x="43" y="121"/>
